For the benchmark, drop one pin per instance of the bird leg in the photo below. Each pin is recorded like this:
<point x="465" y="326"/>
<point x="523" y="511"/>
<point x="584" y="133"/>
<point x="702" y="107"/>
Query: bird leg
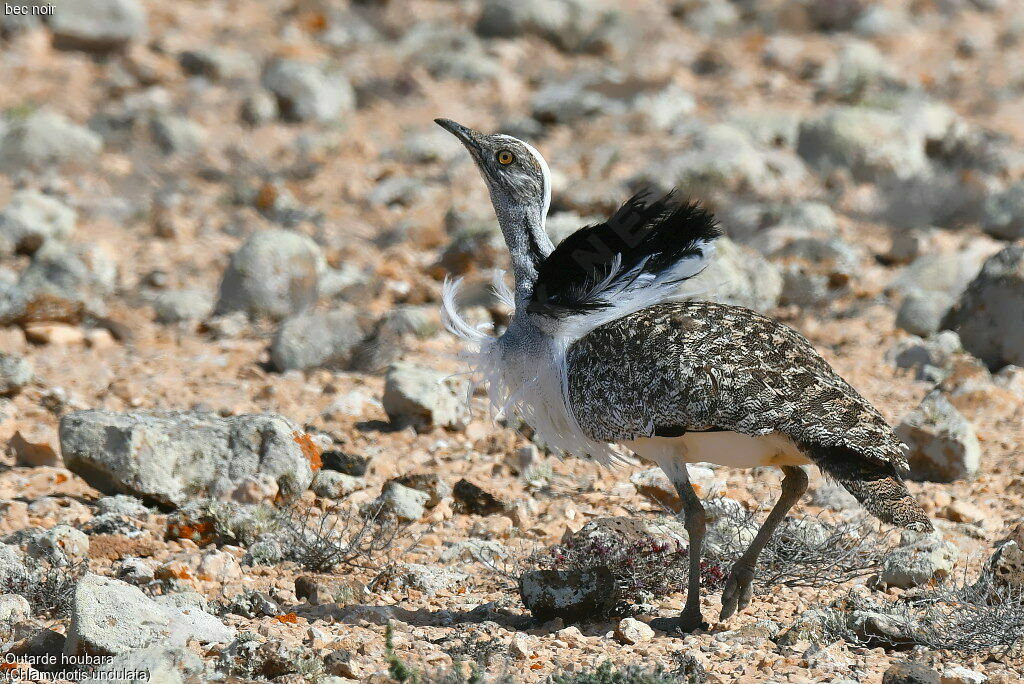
<point x="736" y="594"/>
<point x="696" y="524"/>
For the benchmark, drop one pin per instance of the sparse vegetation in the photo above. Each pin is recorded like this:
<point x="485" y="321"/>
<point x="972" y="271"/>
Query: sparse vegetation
<point x="320" y="541"/>
<point x="397" y="667"/>
<point x="48" y="588"/>
<point x="806" y="551"/>
<point x="958" y="616"/>
<point x="688" y="671"/>
<point x="644" y="570"/>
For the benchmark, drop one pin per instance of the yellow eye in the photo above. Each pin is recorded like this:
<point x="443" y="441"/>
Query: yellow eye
<point x="505" y="157"/>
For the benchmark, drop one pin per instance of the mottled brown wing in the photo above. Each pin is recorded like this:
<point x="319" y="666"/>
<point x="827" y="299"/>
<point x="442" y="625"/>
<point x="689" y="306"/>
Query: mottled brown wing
<point x="702" y="365"/>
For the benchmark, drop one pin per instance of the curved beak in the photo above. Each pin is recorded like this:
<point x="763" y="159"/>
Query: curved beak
<point x="466" y="135"/>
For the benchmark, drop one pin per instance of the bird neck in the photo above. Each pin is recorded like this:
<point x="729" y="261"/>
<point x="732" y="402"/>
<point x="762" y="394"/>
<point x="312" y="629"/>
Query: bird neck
<point x="528" y="245"/>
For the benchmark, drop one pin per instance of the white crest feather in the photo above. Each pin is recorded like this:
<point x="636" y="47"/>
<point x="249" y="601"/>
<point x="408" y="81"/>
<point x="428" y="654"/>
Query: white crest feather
<point x="525" y="374"/>
<point x="626" y="292"/>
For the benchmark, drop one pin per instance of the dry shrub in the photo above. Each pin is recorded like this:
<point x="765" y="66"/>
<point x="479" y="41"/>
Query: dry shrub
<point x="979" y="618"/>
<point x="687" y="671"/>
<point x="644" y="570"/>
<point x="961" y="618"/>
<point x="320" y="541"/>
<point x="805" y="551"/>
<point x="48" y="588"/>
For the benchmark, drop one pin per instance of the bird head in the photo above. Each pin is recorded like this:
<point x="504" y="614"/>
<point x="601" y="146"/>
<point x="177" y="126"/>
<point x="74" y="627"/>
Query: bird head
<point x="515" y="173"/>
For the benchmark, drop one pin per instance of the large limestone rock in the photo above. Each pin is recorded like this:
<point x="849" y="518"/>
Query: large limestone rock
<point x="423" y="397"/>
<point x="738" y="275"/>
<point x="943" y="446"/>
<point x="110" y="617"/>
<point x="171" y="457"/>
<point x="274" y="274"/>
<point x="44" y="138"/>
<point x="990" y="313"/>
<point x="316" y="339"/>
<point x="872" y="144"/>
<point x="97" y="25"/>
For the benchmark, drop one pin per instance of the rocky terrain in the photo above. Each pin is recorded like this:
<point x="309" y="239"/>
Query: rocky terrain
<point x="235" y="443"/>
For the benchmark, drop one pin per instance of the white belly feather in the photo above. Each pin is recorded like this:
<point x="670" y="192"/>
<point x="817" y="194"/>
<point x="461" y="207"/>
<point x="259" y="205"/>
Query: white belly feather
<point x="731" y="449"/>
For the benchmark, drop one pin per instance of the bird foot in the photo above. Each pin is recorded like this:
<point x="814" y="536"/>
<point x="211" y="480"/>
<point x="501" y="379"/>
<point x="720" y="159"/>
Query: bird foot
<point x="684" y="624"/>
<point x="738" y="589"/>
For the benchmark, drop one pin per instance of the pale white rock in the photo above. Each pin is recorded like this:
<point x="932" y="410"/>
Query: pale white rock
<point x="14" y="608"/>
<point x="331" y="484"/>
<point x="920" y="559"/>
<point x="260" y="488"/>
<point x="110" y="617"/>
<point x="275" y="273"/>
<point x="134" y="570"/>
<point x="307" y="93"/>
<point x="632" y="631"/>
<point x="219" y="566"/>
<point x="872" y="143"/>
<point x="958" y="674"/>
<point x="943" y="444"/>
<point x="354" y="403"/>
<point x="423" y="397"/>
<point x="97" y="25"/>
<point x="46" y="137"/>
<point x="31" y="218"/>
<point x="519" y="648"/>
<point x="61" y="545"/>
<point x="15" y="373"/>
<point x="737" y="275"/>
<point x="1011" y="378"/>
<point x="428" y="579"/>
<point x="404" y="503"/>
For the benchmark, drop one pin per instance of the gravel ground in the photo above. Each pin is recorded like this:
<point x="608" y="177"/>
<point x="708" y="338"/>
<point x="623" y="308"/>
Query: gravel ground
<point x="224" y="208"/>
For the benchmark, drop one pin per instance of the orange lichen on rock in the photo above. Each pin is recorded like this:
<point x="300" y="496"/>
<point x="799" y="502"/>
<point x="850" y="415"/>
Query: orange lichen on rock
<point x="310" y="450"/>
<point x="201" y="533"/>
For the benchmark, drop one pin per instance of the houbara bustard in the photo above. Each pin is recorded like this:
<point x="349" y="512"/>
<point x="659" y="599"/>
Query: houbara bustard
<point x="600" y="354"/>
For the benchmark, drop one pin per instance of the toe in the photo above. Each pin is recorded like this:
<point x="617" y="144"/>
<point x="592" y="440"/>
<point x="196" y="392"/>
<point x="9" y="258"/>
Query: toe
<point x="684" y="624"/>
<point x="737" y="592"/>
<point x="746" y="592"/>
<point x="729" y="599"/>
<point x="728" y="608"/>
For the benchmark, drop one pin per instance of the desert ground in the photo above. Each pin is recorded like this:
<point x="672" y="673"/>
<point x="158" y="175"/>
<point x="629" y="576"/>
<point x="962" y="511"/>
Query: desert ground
<point x="239" y="445"/>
